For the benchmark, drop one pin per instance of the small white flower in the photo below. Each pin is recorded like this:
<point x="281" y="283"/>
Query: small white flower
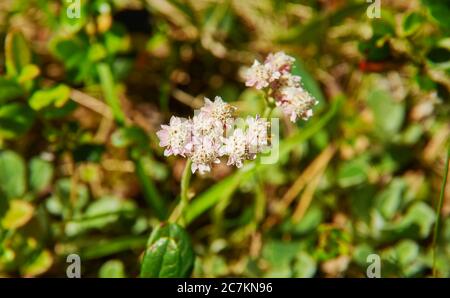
<point x="279" y="62"/>
<point x="257" y="137"/>
<point x="218" y="109"/>
<point x="235" y="147"/>
<point x="296" y="103"/>
<point x="287" y="80"/>
<point x="204" y="125"/>
<point x="176" y="137"/>
<point x="258" y="76"/>
<point x="206" y="152"/>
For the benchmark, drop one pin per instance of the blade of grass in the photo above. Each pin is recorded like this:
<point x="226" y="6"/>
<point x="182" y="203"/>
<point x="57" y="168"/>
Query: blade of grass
<point x="109" y="247"/>
<point x="109" y="91"/>
<point x="151" y="193"/>
<point x="438" y="211"/>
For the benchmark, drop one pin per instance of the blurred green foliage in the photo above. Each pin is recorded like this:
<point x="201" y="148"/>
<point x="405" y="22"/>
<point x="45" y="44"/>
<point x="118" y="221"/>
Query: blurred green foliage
<point x="81" y="170"/>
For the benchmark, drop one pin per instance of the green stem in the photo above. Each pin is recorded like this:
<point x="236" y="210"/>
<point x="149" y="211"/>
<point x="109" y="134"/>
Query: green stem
<point x="267" y="112"/>
<point x="439" y="209"/>
<point x="178" y="213"/>
<point x="185" y="180"/>
<point x="269" y="103"/>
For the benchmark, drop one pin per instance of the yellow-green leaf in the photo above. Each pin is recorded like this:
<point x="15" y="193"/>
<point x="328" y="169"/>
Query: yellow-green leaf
<point x="18" y="214"/>
<point x="39" y="265"/>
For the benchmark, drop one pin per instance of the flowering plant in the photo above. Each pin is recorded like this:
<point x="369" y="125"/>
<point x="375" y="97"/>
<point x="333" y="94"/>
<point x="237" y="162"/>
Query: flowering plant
<point x="210" y="135"/>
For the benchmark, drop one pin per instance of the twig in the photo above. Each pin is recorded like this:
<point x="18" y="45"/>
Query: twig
<point x="306" y="199"/>
<point x="91" y="103"/>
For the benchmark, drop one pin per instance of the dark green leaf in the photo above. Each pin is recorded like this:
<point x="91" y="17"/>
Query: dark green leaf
<point x="9" y="90"/>
<point x="169" y="253"/>
<point x="15" y="120"/>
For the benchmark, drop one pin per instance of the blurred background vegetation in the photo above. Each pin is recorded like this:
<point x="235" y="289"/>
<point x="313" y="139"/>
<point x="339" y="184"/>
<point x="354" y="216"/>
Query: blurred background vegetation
<point x="81" y="170"/>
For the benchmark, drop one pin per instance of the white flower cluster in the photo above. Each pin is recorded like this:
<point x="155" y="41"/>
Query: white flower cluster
<point x="204" y="139"/>
<point x="287" y="91"/>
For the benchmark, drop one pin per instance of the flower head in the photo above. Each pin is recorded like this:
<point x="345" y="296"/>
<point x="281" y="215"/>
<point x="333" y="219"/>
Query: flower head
<point x="279" y="62"/>
<point x="202" y="138"/>
<point x="236" y="148"/>
<point x="204" y="125"/>
<point x="218" y="109"/>
<point x="286" y="88"/>
<point x="176" y="137"/>
<point x="258" y="76"/>
<point x="296" y="103"/>
<point x="206" y="152"/>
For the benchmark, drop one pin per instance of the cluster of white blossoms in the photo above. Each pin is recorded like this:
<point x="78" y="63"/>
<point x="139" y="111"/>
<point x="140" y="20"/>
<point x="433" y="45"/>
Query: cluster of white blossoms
<point x="204" y="138"/>
<point x="275" y="73"/>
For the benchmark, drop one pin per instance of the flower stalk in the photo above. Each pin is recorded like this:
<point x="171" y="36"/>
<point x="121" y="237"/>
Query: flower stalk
<point x="177" y="214"/>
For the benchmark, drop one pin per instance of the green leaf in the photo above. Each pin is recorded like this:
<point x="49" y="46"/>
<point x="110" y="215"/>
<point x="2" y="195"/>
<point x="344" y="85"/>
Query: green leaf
<point x="388" y="114"/>
<point x="17" y="53"/>
<point x="41" y="174"/>
<point x="112" y="269"/>
<point x="412" y="22"/>
<point x="279" y="255"/>
<point x="38" y="265"/>
<point x="12" y="175"/>
<point x="389" y="200"/>
<point x="88" y="152"/>
<point x="28" y="73"/>
<point x="15" y="120"/>
<point x="169" y="253"/>
<point x="440" y="10"/>
<point x="423" y="216"/>
<point x="18" y="214"/>
<point x="353" y="172"/>
<point x="56" y="96"/>
<point x="304" y="266"/>
<point x="9" y="89"/>
<point x="407" y="251"/>
<point x="97" y="52"/>
<point x="100" y="214"/>
<point x="360" y="254"/>
<point x="116" y="40"/>
<point x="416" y="224"/>
<point x="52" y="112"/>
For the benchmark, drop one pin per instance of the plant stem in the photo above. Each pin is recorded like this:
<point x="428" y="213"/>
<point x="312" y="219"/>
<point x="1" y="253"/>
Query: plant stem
<point x="177" y="214"/>
<point x="269" y="103"/>
<point x="439" y="209"/>
<point x="267" y="112"/>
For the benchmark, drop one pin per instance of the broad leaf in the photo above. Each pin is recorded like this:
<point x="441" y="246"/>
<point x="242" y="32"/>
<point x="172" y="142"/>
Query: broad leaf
<point x="12" y="174"/>
<point x="169" y="253"/>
